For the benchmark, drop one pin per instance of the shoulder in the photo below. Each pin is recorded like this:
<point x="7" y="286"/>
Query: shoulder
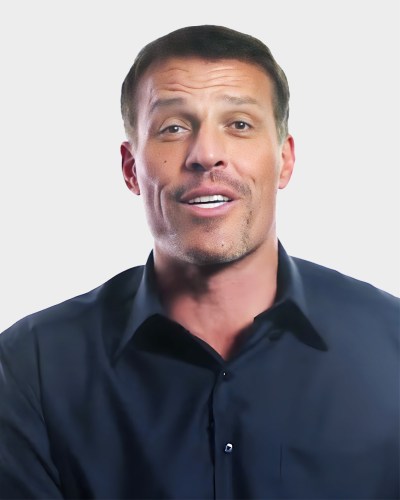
<point x="72" y="315"/>
<point x="339" y="287"/>
<point x="337" y="301"/>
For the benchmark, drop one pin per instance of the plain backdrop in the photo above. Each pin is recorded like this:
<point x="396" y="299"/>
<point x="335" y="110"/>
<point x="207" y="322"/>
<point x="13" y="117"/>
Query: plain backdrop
<point x="68" y="223"/>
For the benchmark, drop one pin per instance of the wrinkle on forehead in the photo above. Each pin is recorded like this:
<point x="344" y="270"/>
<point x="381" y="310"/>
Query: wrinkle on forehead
<point x="190" y="75"/>
<point x="159" y="102"/>
<point x="206" y="76"/>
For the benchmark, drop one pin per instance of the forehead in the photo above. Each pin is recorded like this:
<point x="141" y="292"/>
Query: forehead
<point x="192" y="76"/>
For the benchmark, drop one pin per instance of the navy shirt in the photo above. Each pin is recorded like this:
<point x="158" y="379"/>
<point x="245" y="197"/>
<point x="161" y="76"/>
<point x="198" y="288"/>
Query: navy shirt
<point x="102" y="396"/>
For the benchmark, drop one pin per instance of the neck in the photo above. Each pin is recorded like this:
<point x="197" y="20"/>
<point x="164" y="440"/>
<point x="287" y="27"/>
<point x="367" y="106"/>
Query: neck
<point x="218" y="303"/>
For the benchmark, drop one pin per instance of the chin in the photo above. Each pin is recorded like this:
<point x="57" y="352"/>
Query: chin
<point x="213" y="257"/>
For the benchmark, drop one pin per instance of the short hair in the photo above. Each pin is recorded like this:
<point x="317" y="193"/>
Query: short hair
<point x="211" y="43"/>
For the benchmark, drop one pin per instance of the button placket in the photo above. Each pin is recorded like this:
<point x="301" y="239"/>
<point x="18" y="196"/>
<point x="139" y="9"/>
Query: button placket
<point x="224" y="423"/>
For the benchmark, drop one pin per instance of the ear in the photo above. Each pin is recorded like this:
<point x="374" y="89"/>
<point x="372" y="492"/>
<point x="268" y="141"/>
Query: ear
<point x="287" y="162"/>
<point x="129" y="168"/>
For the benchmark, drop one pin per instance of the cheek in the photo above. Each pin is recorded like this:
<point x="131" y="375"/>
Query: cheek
<point x="264" y="168"/>
<point x="150" y="171"/>
<point x="158" y="164"/>
<point x="155" y="175"/>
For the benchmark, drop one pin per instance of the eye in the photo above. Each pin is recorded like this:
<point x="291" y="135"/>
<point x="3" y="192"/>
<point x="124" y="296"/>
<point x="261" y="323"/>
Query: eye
<point x="240" y="125"/>
<point x="172" y="129"/>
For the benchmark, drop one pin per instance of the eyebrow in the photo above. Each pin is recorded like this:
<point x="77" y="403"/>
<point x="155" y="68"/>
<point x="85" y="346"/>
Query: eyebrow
<point x="231" y="99"/>
<point x="165" y="102"/>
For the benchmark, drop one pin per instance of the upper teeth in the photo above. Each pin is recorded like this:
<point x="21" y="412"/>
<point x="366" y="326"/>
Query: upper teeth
<point x="205" y="199"/>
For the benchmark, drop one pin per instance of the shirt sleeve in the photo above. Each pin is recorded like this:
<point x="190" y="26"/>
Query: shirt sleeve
<point x="26" y="466"/>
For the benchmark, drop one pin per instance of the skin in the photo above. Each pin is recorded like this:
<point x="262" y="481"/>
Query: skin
<point x="207" y="127"/>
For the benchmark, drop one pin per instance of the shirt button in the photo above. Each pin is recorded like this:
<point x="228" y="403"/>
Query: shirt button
<point x="228" y="448"/>
<point x="225" y="375"/>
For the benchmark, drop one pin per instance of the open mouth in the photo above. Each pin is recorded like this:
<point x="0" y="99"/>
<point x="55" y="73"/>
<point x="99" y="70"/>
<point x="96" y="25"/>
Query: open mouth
<point x="212" y="201"/>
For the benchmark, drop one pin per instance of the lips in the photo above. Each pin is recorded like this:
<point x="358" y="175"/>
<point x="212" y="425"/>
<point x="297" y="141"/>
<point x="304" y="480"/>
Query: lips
<point x="209" y="201"/>
<point x="208" y="195"/>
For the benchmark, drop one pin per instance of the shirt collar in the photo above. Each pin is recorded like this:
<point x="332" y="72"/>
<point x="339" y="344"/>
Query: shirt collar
<point x="290" y="300"/>
<point x="146" y="303"/>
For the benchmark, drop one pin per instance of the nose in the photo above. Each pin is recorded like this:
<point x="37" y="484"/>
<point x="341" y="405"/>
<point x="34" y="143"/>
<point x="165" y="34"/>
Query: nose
<point x="207" y="151"/>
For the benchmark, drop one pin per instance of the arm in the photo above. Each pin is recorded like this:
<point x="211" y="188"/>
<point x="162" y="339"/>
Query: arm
<point x="26" y="466"/>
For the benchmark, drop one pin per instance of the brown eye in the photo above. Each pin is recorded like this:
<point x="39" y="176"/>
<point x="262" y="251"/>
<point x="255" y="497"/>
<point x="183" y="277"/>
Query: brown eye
<point x="240" y="125"/>
<point x="172" y="129"/>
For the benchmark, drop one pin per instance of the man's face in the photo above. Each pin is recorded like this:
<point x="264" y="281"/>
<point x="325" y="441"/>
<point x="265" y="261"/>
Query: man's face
<point x="206" y="158"/>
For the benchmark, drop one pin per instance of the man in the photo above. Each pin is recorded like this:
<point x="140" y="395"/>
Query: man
<point x="223" y="368"/>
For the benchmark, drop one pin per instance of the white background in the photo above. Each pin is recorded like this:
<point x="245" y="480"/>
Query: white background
<point x="68" y="223"/>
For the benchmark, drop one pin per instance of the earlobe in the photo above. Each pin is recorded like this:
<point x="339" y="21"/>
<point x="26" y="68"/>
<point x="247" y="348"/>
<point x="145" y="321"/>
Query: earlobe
<point x="129" y="168"/>
<point x="287" y="159"/>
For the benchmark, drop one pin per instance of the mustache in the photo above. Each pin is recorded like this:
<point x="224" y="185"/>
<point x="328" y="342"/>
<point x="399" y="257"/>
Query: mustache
<point x="222" y="178"/>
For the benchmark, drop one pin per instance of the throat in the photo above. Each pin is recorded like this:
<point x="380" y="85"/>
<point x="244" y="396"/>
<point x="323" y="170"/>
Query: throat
<point x="223" y="322"/>
<point x="218" y="304"/>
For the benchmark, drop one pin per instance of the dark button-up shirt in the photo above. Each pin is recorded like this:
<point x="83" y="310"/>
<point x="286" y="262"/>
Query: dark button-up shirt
<point x="103" y="396"/>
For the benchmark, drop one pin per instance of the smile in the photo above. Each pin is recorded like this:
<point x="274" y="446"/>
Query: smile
<point x="212" y="201"/>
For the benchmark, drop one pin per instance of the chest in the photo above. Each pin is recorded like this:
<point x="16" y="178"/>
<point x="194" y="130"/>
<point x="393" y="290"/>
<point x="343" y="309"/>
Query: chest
<point x="275" y="422"/>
